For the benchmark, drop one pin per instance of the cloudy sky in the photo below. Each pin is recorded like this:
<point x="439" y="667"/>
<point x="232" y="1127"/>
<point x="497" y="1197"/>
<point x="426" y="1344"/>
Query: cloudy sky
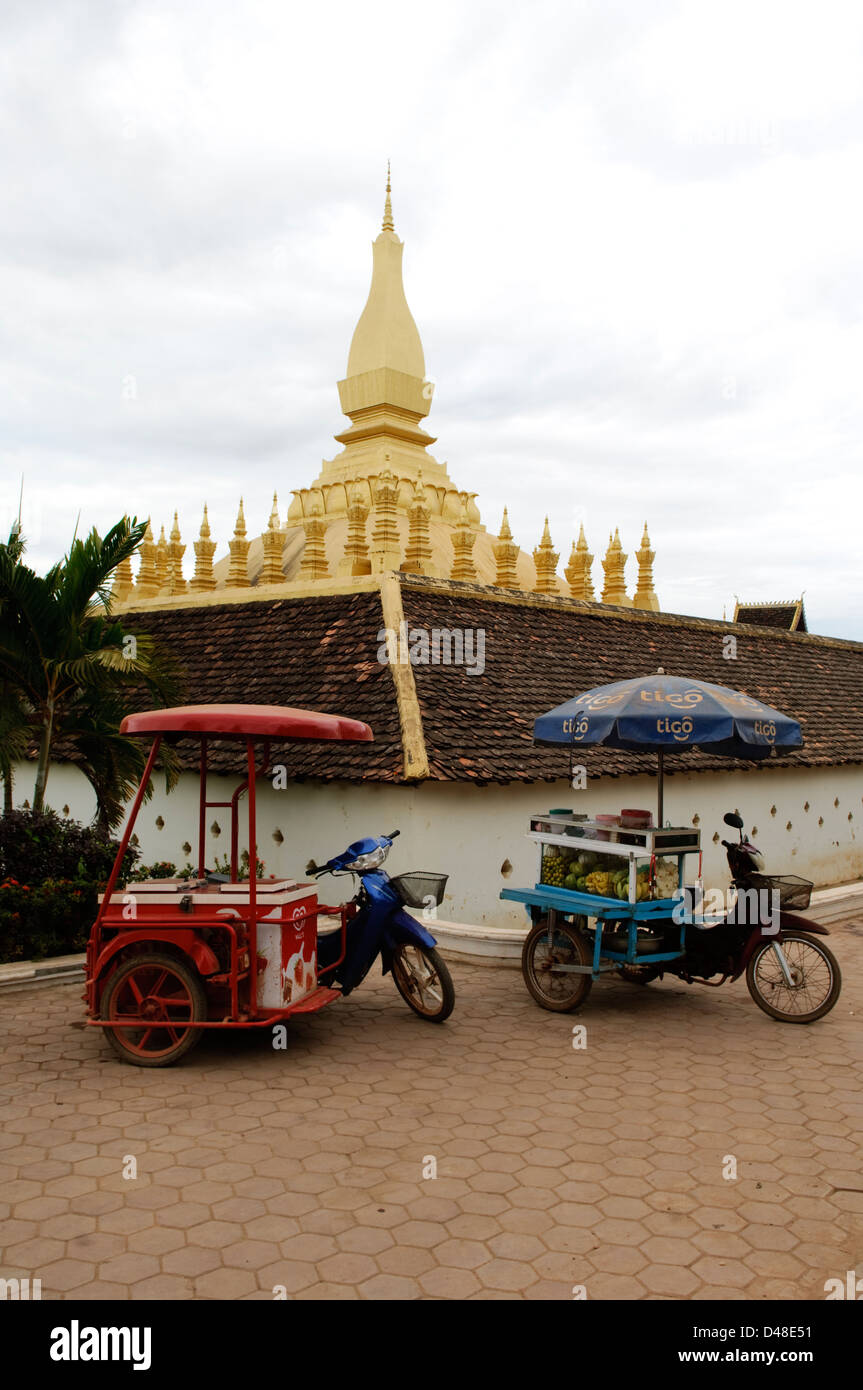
<point x="634" y="250"/>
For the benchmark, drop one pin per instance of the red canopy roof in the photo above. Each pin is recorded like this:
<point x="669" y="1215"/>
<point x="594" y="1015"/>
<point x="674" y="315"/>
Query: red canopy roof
<point x="247" y="721"/>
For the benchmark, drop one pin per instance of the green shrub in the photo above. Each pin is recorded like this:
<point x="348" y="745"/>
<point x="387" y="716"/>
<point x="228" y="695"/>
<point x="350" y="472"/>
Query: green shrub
<point x="51" y="873"/>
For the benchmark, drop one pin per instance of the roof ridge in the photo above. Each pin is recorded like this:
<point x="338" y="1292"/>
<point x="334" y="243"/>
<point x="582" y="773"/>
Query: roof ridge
<point x="524" y="598"/>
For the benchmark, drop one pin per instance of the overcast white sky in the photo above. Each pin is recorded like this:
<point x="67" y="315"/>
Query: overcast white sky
<point x="634" y="250"/>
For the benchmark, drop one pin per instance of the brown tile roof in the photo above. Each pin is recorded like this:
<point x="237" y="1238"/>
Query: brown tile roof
<point x="790" y="616"/>
<point x="321" y="652"/>
<point x="540" y="652"/>
<point x="312" y="653"/>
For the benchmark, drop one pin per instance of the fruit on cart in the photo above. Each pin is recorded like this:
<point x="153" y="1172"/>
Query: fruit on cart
<point x="599" y="882"/>
<point x="666" y="878"/>
<point x="571" y="881"/>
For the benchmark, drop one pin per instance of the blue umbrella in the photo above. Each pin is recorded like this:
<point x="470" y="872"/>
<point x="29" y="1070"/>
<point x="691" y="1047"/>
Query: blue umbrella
<point x="669" y="713"/>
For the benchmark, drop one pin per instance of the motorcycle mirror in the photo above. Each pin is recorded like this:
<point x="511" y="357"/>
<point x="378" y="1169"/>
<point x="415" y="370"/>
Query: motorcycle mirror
<point x="731" y="818"/>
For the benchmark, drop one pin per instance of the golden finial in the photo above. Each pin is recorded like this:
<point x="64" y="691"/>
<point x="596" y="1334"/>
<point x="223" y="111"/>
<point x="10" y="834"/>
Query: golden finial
<point x="203" y="577"/>
<point x="355" y="559"/>
<point x="578" y="571"/>
<point x="505" y="556"/>
<point x="545" y="557"/>
<point x="314" y="565"/>
<point x="463" y="538"/>
<point x="418" y="553"/>
<point x="148" y="579"/>
<point x="645" y="595"/>
<point x="272" y="542"/>
<point x="238" y="570"/>
<point x="175" y="552"/>
<point x="614" y="588"/>
<point x="387" y="225"/>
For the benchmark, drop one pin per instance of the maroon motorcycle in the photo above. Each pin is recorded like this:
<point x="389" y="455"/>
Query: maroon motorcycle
<point x="790" y="973"/>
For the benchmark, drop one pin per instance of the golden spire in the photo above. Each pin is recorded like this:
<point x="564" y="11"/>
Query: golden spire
<point x="386" y="544"/>
<point x="463" y="538"/>
<point x="545" y="558"/>
<point x="645" y="595"/>
<point x="355" y="559"/>
<point x="204" y="549"/>
<point x="386" y="334"/>
<point x="148" y="579"/>
<point x="176" y="551"/>
<point x="418" y="555"/>
<point x="578" y="571"/>
<point x="387" y="225"/>
<point x="123" y="584"/>
<point x="161" y="561"/>
<point x="614" y="588"/>
<point x="314" y="561"/>
<point x="238" y="569"/>
<point x="272" y="540"/>
<point x="505" y="554"/>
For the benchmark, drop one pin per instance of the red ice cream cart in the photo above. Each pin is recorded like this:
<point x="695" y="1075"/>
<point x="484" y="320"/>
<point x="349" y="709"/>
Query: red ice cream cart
<point x="170" y="957"/>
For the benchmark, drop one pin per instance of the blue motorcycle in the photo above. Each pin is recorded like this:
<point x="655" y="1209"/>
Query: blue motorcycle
<point x="377" y="925"/>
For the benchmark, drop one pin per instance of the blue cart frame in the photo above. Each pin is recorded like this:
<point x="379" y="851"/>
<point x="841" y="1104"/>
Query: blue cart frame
<point x="570" y="903"/>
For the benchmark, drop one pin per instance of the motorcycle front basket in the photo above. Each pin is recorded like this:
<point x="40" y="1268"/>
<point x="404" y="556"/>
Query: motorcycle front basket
<point x="794" y="893"/>
<point x="420" y="889"/>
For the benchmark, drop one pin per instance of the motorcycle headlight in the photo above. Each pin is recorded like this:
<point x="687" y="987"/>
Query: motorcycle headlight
<point x="371" y="860"/>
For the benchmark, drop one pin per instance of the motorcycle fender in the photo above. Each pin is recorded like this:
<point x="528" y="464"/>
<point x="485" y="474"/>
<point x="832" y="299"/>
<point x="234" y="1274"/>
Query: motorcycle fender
<point x="402" y="927"/>
<point x="788" y="921"/>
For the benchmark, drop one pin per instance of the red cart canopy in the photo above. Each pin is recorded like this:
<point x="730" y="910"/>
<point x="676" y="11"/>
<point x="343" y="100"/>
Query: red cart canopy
<point x="247" y="721"/>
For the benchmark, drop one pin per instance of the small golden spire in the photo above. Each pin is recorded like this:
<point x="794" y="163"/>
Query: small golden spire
<point x="272" y="540"/>
<point x="386" y="543"/>
<point x="418" y="555"/>
<point x="161" y="560"/>
<point x="238" y="569"/>
<point x="545" y="557"/>
<point x="614" y="589"/>
<point x="204" y="578"/>
<point x="176" y="551"/>
<point x="578" y="571"/>
<point x="123" y="584"/>
<point x="148" y="579"/>
<point x="355" y="559"/>
<point x="314" y="562"/>
<point x="387" y="225"/>
<point x="505" y="555"/>
<point x="645" y="595"/>
<point x="463" y="538"/>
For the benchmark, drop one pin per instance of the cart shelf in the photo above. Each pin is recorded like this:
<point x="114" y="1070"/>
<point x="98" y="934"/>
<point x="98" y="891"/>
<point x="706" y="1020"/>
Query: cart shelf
<point x="573" y="903"/>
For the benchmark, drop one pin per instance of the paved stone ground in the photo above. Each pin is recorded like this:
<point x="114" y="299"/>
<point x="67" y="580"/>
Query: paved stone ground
<point x="555" y="1167"/>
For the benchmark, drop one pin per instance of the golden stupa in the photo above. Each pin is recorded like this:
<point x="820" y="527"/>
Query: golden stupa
<point x="382" y="503"/>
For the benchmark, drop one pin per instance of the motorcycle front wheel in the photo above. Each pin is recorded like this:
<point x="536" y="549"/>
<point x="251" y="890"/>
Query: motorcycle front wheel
<point x="423" y="981"/>
<point x="815" y="978"/>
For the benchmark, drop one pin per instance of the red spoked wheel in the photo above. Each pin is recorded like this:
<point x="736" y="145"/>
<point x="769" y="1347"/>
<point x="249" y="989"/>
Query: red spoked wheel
<point x="159" y="995"/>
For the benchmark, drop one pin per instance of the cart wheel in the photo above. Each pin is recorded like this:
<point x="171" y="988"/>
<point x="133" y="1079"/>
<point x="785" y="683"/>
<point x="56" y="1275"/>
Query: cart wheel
<point x="816" y="980"/>
<point x="423" y="981"/>
<point x="161" y="993"/>
<point x="546" y="950"/>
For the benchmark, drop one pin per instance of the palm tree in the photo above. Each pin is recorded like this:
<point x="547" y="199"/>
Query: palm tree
<point x="66" y="664"/>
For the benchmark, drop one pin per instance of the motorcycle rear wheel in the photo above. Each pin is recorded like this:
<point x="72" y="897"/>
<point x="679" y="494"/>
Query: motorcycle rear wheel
<point x="545" y="951"/>
<point x="816" y="974"/>
<point x="424" y="982"/>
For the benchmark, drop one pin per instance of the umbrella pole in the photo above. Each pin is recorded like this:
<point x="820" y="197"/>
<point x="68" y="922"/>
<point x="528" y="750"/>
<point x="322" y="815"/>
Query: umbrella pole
<point x="659" y="812"/>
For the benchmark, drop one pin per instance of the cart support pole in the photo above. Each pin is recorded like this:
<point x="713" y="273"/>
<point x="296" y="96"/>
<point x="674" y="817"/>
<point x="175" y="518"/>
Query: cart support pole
<point x="659" y="811"/>
<point x="253" y="884"/>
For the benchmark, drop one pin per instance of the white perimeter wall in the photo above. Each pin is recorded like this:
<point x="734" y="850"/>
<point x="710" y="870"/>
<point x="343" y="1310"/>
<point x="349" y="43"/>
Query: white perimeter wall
<point x="806" y="822"/>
